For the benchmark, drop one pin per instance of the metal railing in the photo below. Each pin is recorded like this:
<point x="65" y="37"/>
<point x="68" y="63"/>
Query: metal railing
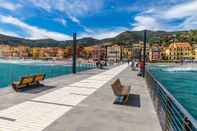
<point x="14" y="72"/>
<point x="172" y="115"/>
<point x="84" y="67"/>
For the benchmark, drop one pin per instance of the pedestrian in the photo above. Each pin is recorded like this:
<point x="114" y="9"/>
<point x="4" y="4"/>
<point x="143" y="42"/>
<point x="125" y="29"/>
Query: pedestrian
<point x="133" y="64"/>
<point x="128" y="61"/>
<point x="141" y="64"/>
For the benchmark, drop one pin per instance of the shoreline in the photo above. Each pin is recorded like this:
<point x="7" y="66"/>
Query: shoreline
<point x="40" y="61"/>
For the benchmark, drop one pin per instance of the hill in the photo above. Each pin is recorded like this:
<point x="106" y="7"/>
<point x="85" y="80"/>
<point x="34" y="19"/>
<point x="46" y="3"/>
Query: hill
<point x="127" y="37"/>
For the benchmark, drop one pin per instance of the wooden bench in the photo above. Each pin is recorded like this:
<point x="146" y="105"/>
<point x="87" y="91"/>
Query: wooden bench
<point x="27" y="81"/>
<point x="121" y="90"/>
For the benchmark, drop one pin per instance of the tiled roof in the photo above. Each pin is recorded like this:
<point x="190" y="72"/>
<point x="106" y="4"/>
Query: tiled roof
<point x="180" y="45"/>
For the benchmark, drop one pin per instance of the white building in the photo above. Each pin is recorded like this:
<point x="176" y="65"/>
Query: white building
<point x="113" y="53"/>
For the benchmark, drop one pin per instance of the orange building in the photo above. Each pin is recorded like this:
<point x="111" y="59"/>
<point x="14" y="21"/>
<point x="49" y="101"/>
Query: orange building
<point x="23" y="51"/>
<point x="60" y="53"/>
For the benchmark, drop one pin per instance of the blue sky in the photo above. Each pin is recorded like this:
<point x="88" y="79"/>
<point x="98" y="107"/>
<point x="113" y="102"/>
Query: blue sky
<point x="58" y="19"/>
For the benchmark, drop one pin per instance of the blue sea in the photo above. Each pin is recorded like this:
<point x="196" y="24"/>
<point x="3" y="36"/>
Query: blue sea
<point x="11" y="71"/>
<point x="181" y="82"/>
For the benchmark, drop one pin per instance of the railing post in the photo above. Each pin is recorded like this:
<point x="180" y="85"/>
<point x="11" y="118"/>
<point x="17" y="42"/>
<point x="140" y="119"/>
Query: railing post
<point x="186" y="125"/>
<point x="167" y="114"/>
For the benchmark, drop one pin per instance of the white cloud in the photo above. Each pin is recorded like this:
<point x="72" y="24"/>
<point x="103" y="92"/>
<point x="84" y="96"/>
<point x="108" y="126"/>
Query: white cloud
<point x="165" y="18"/>
<point x="73" y="9"/>
<point x="61" y="21"/>
<point x="9" y="33"/>
<point x="103" y="33"/>
<point x="77" y="21"/>
<point x="33" y="31"/>
<point x="181" y="10"/>
<point x="70" y="7"/>
<point x="44" y="4"/>
<point x="189" y="23"/>
<point x="145" y="22"/>
<point x="9" y="6"/>
<point x="74" y="19"/>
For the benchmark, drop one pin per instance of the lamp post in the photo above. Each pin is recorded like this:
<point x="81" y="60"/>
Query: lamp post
<point x="105" y="55"/>
<point x="144" y="52"/>
<point x="74" y="53"/>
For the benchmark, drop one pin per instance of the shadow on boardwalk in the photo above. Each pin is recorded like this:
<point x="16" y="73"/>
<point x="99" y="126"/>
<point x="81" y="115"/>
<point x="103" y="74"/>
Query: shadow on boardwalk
<point x="134" y="101"/>
<point x="38" y="89"/>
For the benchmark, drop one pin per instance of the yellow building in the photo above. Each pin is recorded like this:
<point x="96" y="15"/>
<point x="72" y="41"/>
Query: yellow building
<point x="179" y="51"/>
<point x="127" y="52"/>
<point x="138" y="49"/>
<point x="194" y="46"/>
<point x="35" y="53"/>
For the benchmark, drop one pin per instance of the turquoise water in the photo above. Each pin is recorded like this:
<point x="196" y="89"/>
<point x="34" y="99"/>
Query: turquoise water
<point x="181" y="82"/>
<point x="10" y="72"/>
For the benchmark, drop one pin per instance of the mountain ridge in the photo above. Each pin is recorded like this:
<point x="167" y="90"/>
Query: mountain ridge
<point x="126" y="37"/>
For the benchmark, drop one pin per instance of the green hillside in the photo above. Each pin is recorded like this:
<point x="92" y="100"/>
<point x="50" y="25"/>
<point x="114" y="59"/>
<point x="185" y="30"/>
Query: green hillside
<point x="127" y="37"/>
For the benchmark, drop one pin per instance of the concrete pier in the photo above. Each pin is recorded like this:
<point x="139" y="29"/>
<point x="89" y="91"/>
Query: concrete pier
<point x="81" y="102"/>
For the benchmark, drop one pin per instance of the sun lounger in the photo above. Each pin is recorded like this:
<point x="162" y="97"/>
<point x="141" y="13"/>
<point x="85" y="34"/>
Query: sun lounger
<point x="27" y="81"/>
<point x="121" y="90"/>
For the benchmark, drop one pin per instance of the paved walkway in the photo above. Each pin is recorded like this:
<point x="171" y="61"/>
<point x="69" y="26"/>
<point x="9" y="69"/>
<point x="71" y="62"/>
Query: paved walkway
<point x="98" y="113"/>
<point x="38" y="113"/>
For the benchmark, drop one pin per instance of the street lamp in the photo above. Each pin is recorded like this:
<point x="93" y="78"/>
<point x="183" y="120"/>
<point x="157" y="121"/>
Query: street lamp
<point x="74" y="53"/>
<point x="144" y="52"/>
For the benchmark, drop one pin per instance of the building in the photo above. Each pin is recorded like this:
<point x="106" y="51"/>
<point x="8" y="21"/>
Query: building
<point x="60" y="53"/>
<point x="194" y="52"/>
<point x="179" y="51"/>
<point x="7" y="51"/>
<point x="155" y="53"/>
<point x="22" y="51"/>
<point x="114" y="53"/>
<point x="138" y="50"/>
<point x="98" y="52"/>
<point x="1" y="50"/>
<point x="35" y="52"/>
<point x="126" y="52"/>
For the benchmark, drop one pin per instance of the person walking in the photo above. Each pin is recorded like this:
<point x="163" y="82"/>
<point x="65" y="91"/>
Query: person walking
<point x="141" y="65"/>
<point x="133" y="64"/>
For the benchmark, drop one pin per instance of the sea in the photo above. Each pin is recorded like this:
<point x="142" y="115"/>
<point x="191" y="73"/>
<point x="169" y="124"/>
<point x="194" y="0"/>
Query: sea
<point x="13" y="70"/>
<point x="181" y="82"/>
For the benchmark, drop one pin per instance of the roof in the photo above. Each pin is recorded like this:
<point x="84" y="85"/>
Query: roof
<point x="194" y="45"/>
<point x="180" y="45"/>
<point x="156" y="49"/>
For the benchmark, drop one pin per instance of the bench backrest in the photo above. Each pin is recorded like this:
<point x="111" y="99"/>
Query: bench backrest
<point x="117" y="87"/>
<point x="26" y="80"/>
<point x="39" y="77"/>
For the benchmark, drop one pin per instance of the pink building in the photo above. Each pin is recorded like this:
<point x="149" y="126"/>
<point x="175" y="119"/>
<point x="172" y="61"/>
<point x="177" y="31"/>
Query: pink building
<point x="155" y="53"/>
<point x="98" y="52"/>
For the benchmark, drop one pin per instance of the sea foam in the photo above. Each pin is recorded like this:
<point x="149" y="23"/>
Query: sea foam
<point x="181" y="69"/>
<point x="33" y="62"/>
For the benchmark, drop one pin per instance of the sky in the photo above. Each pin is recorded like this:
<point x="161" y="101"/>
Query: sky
<point x="58" y="19"/>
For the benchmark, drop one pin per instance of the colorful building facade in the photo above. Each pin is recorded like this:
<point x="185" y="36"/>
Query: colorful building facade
<point x="114" y="53"/>
<point x="155" y="53"/>
<point x="179" y="51"/>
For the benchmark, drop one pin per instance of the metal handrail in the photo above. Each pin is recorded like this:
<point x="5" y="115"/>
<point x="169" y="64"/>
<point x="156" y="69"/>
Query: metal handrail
<point x="175" y="104"/>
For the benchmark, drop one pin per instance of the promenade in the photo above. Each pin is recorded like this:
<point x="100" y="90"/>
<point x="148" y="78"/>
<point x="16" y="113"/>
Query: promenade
<point x="80" y="102"/>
